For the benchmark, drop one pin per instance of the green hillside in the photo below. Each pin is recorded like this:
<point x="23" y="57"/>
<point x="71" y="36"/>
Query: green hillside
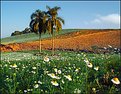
<point x="31" y="37"/>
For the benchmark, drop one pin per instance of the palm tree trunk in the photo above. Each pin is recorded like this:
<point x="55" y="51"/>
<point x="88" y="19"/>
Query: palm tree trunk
<point x="52" y="38"/>
<point x="40" y="44"/>
<point x="53" y="44"/>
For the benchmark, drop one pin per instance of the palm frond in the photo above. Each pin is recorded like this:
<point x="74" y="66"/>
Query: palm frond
<point x="49" y="26"/>
<point x="31" y="23"/>
<point x="38" y="11"/>
<point x="36" y="27"/>
<point x="48" y="8"/>
<point x="58" y="25"/>
<point x="33" y="26"/>
<point x="33" y="16"/>
<point x="53" y="11"/>
<point x="62" y="20"/>
<point x="57" y="8"/>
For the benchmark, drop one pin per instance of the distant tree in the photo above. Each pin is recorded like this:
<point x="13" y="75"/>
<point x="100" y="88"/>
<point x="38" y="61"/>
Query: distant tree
<point x="54" y="23"/>
<point x="27" y="30"/>
<point x="38" y="24"/>
<point x="16" y="33"/>
<point x="12" y="34"/>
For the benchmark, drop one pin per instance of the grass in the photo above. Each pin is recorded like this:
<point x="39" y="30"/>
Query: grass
<point x="66" y="72"/>
<point x="31" y="37"/>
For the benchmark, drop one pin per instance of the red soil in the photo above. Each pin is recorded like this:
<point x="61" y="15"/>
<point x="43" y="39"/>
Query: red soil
<point x="73" y="41"/>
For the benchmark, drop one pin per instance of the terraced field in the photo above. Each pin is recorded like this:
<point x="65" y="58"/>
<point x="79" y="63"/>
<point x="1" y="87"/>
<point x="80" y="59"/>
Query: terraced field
<point x="76" y="40"/>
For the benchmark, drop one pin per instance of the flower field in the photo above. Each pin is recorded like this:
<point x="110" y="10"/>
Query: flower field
<point x="66" y="72"/>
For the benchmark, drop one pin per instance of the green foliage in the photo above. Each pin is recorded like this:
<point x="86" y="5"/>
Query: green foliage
<point x="16" y="33"/>
<point x="25" y="31"/>
<point x="38" y="22"/>
<point x="54" y="22"/>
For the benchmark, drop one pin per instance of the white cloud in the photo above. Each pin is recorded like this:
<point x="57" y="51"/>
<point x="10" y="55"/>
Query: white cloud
<point x="107" y="21"/>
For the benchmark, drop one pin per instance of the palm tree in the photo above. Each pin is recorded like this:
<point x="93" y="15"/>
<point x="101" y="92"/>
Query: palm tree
<point x="54" y="23"/>
<point x="38" y="24"/>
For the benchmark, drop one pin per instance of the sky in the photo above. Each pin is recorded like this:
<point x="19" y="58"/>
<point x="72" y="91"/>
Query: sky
<point x="15" y="15"/>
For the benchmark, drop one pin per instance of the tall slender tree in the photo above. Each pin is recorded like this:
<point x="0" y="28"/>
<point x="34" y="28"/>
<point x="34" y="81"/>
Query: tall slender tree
<point x="38" y="24"/>
<point x="54" y="23"/>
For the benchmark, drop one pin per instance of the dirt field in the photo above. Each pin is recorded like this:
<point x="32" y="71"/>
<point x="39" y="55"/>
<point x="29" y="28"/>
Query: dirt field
<point x="75" y="41"/>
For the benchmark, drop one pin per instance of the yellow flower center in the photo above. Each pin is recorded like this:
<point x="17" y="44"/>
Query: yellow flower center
<point x="115" y="79"/>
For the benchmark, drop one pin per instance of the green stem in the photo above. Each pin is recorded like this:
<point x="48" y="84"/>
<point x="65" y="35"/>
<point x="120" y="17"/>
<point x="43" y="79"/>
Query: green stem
<point x="98" y="83"/>
<point x="86" y="79"/>
<point x="110" y="92"/>
<point x="14" y="79"/>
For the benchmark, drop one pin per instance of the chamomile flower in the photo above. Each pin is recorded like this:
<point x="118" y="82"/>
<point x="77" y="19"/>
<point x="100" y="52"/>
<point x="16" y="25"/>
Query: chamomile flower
<point x="96" y="68"/>
<point x="105" y="48"/>
<point x="29" y="89"/>
<point x="55" y="70"/>
<point x="36" y="85"/>
<point x="33" y="72"/>
<point x="77" y="69"/>
<point x="39" y="82"/>
<point x="89" y="65"/>
<point x="54" y="83"/>
<point x="94" y="90"/>
<point x="52" y="75"/>
<point x="34" y="68"/>
<point x="68" y="77"/>
<point x="13" y="66"/>
<point x="25" y="91"/>
<point x="59" y="72"/>
<point x="77" y="91"/>
<point x="110" y="46"/>
<point x="86" y="60"/>
<point x="5" y="65"/>
<point x="46" y="72"/>
<point x="115" y="80"/>
<point x="46" y="59"/>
